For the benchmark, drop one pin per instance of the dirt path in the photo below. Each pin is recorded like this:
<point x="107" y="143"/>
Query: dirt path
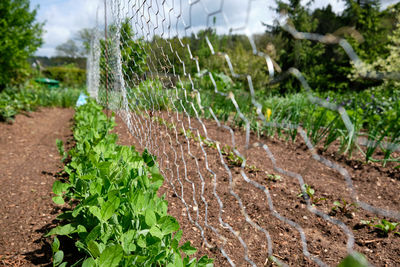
<point x="28" y="162"/>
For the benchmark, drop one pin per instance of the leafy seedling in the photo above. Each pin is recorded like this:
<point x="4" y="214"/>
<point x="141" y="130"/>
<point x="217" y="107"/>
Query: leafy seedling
<point x="274" y="177"/>
<point x="60" y="147"/>
<point x="309" y="193"/>
<point x="344" y="207"/>
<point x="387" y="227"/>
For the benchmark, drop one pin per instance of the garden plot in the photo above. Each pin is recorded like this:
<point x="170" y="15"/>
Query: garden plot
<point x="185" y="170"/>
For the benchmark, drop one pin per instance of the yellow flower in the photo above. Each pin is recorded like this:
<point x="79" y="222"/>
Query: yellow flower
<point x="268" y="113"/>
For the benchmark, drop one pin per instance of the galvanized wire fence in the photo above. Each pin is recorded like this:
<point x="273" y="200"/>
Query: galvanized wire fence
<point x="143" y="66"/>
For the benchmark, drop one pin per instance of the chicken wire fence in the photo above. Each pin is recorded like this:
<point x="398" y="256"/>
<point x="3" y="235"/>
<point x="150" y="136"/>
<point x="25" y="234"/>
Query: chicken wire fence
<point x="235" y="193"/>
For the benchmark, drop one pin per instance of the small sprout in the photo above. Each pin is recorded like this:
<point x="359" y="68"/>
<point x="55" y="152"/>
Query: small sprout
<point x="344" y="207"/>
<point x="274" y="177"/>
<point x="309" y="192"/>
<point x="234" y="159"/>
<point x="387" y="227"/>
<point x="365" y="222"/>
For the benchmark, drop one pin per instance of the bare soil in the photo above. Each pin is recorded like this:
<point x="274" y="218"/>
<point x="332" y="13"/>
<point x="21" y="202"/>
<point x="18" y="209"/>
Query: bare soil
<point x="187" y="166"/>
<point x="29" y="162"/>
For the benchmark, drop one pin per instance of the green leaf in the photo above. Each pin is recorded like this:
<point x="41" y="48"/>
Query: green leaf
<point x="205" y="261"/>
<point x="89" y="262"/>
<point x="141" y="241"/>
<point x="168" y="225"/>
<point x="354" y="260"/>
<point x="95" y="211"/>
<point x="109" y="207"/>
<point x="96" y="231"/>
<point x="60" y="187"/>
<point x="58" y="200"/>
<point x="148" y="158"/>
<point x="94" y="249"/>
<point x="128" y="241"/>
<point x="88" y="177"/>
<point x="55" y="246"/>
<point x="188" y="249"/>
<point x="111" y="256"/>
<point x="155" y="231"/>
<point x="58" y="258"/>
<point x="62" y="230"/>
<point x="337" y="203"/>
<point x="178" y="260"/>
<point x="150" y="217"/>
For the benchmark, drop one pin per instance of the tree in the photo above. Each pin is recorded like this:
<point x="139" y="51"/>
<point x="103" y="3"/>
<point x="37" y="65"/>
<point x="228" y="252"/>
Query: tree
<point x="20" y="36"/>
<point x="365" y="16"/>
<point x="389" y="64"/>
<point x="304" y="55"/>
<point x="78" y="46"/>
<point x="84" y="37"/>
<point x="68" y="49"/>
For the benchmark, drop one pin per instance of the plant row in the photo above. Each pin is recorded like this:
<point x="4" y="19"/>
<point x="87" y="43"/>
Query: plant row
<point x="373" y="113"/>
<point x="14" y="101"/>
<point x="116" y="217"/>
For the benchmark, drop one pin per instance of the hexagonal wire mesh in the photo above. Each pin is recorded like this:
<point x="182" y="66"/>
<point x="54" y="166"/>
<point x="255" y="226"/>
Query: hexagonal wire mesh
<point x="218" y="171"/>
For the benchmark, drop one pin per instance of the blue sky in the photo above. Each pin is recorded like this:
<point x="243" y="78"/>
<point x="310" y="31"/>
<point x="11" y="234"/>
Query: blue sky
<point x="65" y="17"/>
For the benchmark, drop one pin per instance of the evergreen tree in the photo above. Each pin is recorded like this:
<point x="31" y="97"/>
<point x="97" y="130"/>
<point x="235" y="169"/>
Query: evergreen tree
<point x="304" y="55"/>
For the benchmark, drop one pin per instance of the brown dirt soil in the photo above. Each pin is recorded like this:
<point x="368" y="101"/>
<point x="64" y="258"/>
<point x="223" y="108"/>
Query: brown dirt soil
<point x="29" y="161"/>
<point x="187" y="165"/>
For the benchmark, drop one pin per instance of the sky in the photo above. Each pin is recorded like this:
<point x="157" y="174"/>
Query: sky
<point x="63" y="18"/>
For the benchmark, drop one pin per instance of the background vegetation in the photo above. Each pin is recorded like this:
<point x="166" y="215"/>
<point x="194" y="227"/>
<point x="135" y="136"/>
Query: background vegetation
<point x="372" y="104"/>
<point x="20" y="36"/>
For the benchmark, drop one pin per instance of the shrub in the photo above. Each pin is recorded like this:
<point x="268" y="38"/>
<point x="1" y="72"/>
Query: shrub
<point x="69" y="75"/>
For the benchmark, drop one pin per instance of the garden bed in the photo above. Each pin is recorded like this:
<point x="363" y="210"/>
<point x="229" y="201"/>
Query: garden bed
<point x="375" y="185"/>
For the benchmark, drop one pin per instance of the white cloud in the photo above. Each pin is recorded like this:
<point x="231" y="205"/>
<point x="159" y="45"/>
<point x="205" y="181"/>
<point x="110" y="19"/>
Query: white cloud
<point x="62" y="20"/>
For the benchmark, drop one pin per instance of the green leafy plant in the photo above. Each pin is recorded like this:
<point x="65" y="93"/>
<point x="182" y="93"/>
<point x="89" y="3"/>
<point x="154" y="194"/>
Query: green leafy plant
<point x="117" y="218"/>
<point x="309" y="193"/>
<point x="60" y="147"/>
<point x="274" y="177"/>
<point x="58" y="255"/>
<point x="387" y="227"/>
<point x="14" y="101"/>
<point x="384" y="226"/>
<point x="344" y="207"/>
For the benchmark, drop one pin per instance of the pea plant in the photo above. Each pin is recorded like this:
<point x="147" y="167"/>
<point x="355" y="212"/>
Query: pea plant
<point x="117" y="219"/>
